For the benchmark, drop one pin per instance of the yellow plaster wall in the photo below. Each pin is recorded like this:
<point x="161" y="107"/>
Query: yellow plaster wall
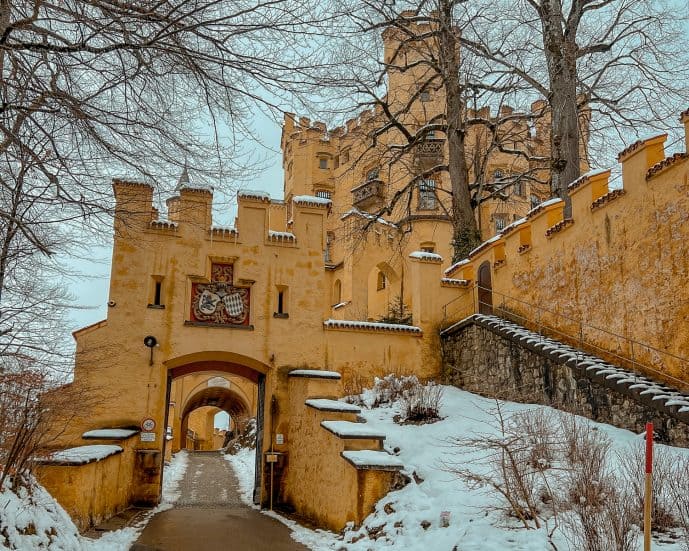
<point x="93" y="492"/>
<point x="620" y="267"/>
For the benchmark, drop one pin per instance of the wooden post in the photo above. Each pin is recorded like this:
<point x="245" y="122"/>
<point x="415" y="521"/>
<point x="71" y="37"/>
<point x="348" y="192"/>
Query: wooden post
<point x="648" y="494"/>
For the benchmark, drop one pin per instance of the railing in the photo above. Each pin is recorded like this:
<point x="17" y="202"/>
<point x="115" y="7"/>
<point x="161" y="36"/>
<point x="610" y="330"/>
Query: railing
<point x="612" y="347"/>
<point x="367" y="193"/>
<point x="430" y="151"/>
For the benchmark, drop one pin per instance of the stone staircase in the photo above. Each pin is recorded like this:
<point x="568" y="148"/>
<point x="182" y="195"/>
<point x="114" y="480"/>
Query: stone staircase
<point x="338" y="469"/>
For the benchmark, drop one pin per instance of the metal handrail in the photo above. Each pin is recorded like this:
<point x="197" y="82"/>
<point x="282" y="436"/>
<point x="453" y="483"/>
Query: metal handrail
<point x="542" y="326"/>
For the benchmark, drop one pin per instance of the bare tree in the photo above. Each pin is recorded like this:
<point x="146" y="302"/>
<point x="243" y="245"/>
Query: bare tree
<point x="422" y="90"/>
<point x="618" y="63"/>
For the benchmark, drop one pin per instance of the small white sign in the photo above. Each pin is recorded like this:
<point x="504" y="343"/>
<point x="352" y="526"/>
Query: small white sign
<point x="148" y="436"/>
<point x="279" y="439"/>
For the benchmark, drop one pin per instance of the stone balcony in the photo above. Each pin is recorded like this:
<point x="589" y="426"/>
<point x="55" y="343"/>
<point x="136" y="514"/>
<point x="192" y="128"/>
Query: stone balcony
<point x="430" y="152"/>
<point x="368" y="194"/>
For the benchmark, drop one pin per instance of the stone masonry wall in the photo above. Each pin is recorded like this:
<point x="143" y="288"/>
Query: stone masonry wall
<point x="484" y="359"/>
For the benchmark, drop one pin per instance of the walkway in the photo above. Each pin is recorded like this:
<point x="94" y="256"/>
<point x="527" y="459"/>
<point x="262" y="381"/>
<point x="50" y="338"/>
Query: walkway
<point x="210" y="516"/>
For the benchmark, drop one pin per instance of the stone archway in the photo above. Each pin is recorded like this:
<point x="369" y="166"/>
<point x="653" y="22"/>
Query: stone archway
<point x="234" y="364"/>
<point x="222" y="398"/>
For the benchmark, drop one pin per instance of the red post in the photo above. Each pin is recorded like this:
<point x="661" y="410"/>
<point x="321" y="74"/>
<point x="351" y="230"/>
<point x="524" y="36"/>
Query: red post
<point x="648" y="494"/>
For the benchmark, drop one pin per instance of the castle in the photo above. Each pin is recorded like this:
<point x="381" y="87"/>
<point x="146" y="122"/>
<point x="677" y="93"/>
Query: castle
<point x="290" y="308"/>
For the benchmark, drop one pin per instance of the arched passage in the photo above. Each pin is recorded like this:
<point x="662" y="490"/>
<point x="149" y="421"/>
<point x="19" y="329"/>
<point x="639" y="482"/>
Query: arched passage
<point x="217" y="397"/>
<point x="485" y="289"/>
<point x="234" y="364"/>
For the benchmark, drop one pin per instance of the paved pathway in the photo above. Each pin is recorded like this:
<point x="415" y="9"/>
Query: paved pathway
<point x="210" y="516"/>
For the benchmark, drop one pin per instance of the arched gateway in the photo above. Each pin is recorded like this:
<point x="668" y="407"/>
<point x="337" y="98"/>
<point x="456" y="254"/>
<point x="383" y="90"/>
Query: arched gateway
<point x="251" y="305"/>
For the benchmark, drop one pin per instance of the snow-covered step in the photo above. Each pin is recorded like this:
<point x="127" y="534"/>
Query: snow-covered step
<point x="81" y="455"/>
<point x="373" y="460"/>
<point x="325" y="404"/>
<point x="350" y="430"/>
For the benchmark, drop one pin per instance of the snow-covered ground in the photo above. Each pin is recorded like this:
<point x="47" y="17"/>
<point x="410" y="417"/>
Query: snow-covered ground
<point x="399" y="519"/>
<point x="32" y="519"/>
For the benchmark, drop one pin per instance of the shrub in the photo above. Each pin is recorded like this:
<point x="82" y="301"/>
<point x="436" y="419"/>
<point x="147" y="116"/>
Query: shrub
<point x="421" y="403"/>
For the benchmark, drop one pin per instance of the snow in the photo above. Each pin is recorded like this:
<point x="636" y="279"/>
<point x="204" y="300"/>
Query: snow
<point x="32" y="519"/>
<point x="355" y="324"/>
<point x="315" y="373"/>
<point x="164" y="223"/>
<point x="114" y="434"/>
<point x="281" y="235"/>
<point x="457" y="265"/>
<point x="589" y="174"/>
<point x="423" y="450"/>
<point x="543" y="205"/>
<point x="253" y="194"/>
<point x="312" y="199"/>
<point x="340" y="305"/>
<point x="223" y="229"/>
<point x="513" y="225"/>
<point x="348" y="429"/>
<point x="84" y="454"/>
<point x="373" y="458"/>
<point x="323" y="404"/>
<point x="423" y="255"/>
<point x="486" y="242"/>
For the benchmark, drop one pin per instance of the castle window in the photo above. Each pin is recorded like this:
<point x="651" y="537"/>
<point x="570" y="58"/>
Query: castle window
<point x="281" y="311"/>
<point x="425" y="96"/>
<point x="345" y="156"/>
<point x="382" y="281"/>
<point x="323" y="163"/>
<point x="329" y="240"/>
<point x="337" y="293"/>
<point x="535" y="201"/>
<point x="427" y="198"/>
<point x="323" y="194"/>
<point x="430" y="135"/>
<point x="336" y="162"/>
<point x="500" y="222"/>
<point x="156" y="293"/>
<point x="519" y="188"/>
<point x="498" y="174"/>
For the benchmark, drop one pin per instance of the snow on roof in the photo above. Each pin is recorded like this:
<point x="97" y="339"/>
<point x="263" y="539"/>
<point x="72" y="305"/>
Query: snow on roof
<point x="81" y="455"/>
<point x="485" y="244"/>
<point x="253" y="194"/>
<point x="513" y="225"/>
<point x="371" y="325"/>
<point x="310" y="200"/>
<point x="163" y="224"/>
<point x="348" y="429"/>
<point x="110" y="434"/>
<point x="223" y="229"/>
<point x="587" y="175"/>
<point x="323" y="404"/>
<point x="315" y="373"/>
<point x="423" y="255"/>
<point x="340" y="305"/>
<point x="372" y="459"/>
<point x="456" y="265"/>
<point x="543" y="205"/>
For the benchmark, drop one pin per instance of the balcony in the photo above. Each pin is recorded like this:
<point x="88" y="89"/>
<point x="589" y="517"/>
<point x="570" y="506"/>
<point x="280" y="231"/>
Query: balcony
<point x="430" y="152"/>
<point x="369" y="193"/>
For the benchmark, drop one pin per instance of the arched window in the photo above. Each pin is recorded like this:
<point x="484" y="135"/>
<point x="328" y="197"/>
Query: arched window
<point x="427" y="247"/>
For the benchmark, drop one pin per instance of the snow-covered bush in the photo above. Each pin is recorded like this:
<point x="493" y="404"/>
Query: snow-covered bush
<point x="421" y="403"/>
<point x="679" y="489"/>
<point x="389" y="389"/>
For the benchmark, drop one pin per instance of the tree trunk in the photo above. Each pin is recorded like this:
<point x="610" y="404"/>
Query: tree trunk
<point x="560" y="52"/>
<point x="465" y="234"/>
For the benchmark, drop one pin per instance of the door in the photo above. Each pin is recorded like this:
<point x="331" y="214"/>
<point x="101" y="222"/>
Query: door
<point x="485" y="290"/>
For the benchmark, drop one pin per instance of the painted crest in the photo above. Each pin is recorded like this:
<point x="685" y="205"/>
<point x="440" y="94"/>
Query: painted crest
<point x="208" y="302"/>
<point x="234" y="304"/>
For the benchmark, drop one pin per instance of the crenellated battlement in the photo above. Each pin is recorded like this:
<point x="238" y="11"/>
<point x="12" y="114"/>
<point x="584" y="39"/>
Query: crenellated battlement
<point x="260" y="219"/>
<point x="618" y="263"/>
<point x="642" y="163"/>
